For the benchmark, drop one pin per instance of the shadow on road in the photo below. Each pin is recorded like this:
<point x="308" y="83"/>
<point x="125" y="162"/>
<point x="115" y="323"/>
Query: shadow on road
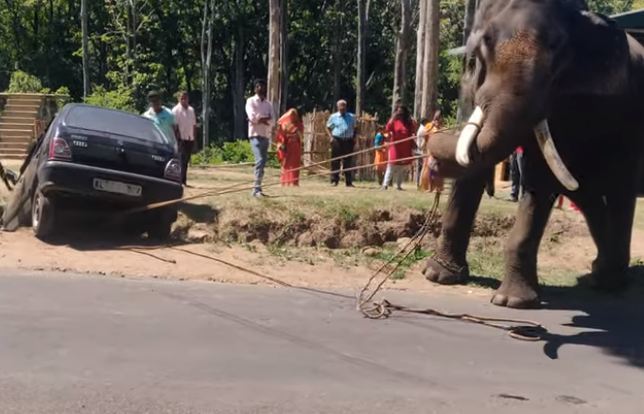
<point x="613" y="322"/>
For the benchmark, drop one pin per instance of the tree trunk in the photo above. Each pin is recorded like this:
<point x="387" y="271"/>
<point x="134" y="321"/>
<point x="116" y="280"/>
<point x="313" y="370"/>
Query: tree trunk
<point x="430" y="61"/>
<point x="274" y="53"/>
<point x="239" y="114"/>
<point x="420" y="54"/>
<point x="337" y="54"/>
<point x="362" y="56"/>
<point x="134" y="22"/>
<point x="402" y="53"/>
<point x="206" y="59"/>
<point x="284" y="56"/>
<point x="85" y="46"/>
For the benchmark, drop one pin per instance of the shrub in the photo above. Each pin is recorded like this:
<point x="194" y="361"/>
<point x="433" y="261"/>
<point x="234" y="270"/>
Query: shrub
<point x="210" y="155"/>
<point x="234" y="152"/>
<point x="22" y="82"/>
<point x="63" y="90"/>
<point x="121" y="98"/>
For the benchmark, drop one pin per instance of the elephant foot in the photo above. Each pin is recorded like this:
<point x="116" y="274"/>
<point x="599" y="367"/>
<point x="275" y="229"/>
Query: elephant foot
<point x="445" y="272"/>
<point x="517" y="294"/>
<point x="608" y="279"/>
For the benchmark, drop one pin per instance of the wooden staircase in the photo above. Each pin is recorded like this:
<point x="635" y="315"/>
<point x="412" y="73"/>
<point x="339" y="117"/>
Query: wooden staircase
<point x="18" y="123"/>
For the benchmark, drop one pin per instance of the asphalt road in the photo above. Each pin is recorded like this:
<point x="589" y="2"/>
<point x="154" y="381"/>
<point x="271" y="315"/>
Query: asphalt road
<point x="81" y="344"/>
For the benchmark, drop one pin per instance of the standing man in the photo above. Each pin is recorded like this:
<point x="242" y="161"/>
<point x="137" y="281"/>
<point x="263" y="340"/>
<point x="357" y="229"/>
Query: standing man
<point x="186" y="121"/>
<point x="162" y="117"/>
<point x="260" y="128"/>
<point x="341" y="128"/>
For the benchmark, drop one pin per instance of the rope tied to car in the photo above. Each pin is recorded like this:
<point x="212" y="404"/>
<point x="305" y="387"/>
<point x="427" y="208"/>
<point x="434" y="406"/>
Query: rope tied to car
<point x="517" y="329"/>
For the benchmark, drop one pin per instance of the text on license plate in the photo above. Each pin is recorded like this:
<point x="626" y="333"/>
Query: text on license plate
<point x="117" y="187"/>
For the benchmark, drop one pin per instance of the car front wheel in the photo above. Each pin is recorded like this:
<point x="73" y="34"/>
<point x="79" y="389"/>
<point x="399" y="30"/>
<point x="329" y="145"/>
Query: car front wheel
<point x="42" y="215"/>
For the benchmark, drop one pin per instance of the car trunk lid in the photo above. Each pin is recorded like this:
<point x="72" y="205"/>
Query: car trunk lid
<point x="117" y="152"/>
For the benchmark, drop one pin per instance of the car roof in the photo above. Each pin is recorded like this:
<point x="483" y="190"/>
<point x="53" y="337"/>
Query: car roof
<point x="96" y="118"/>
<point x="98" y="111"/>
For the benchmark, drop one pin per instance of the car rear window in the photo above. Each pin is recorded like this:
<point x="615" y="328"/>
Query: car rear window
<point x="115" y="122"/>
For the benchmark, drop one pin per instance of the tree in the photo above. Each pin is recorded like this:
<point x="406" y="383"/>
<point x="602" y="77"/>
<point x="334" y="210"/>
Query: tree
<point x="402" y="54"/>
<point x="430" y="60"/>
<point x="284" y="56"/>
<point x="85" y="46"/>
<point x="275" y="53"/>
<point x="206" y="61"/>
<point x="363" y="19"/>
<point x="239" y="126"/>
<point x="420" y="56"/>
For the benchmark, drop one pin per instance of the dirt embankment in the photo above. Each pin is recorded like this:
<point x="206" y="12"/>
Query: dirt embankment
<point x="344" y="230"/>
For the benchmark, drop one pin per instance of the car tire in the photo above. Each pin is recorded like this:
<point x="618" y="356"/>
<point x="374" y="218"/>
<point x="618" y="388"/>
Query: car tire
<point x="160" y="226"/>
<point x="43" y="215"/>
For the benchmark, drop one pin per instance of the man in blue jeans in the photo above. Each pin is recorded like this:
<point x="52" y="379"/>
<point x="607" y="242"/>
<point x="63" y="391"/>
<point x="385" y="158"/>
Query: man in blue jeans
<point x="261" y="121"/>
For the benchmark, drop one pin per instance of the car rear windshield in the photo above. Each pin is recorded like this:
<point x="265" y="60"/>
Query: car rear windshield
<point x="115" y="122"/>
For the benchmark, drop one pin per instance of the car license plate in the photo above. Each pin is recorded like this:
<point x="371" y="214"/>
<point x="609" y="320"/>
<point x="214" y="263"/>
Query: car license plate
<point x="117" y="187"/>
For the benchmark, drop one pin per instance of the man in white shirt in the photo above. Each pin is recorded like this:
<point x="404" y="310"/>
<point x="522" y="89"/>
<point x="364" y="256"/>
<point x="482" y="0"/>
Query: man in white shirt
<point x="261" y="121"/>
<point x="186" y="121"/>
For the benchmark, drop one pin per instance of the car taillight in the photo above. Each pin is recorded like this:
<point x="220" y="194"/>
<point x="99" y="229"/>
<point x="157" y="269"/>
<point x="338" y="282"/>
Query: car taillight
<point x="173" y="170"/>
<point x="59" y="150"/>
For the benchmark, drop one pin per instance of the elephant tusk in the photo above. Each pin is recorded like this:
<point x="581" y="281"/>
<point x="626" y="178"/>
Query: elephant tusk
<point x="554" y="161"/>
<point x="467" y="137"/>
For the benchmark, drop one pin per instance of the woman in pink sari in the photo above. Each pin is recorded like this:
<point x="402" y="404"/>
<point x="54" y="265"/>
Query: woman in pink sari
<point x="289" y="147"/>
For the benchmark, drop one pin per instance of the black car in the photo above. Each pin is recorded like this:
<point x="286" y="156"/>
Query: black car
<point x="97" y="160"/>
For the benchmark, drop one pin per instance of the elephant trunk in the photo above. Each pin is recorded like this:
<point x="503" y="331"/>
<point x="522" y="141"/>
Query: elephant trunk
<point x="481" y="145"/>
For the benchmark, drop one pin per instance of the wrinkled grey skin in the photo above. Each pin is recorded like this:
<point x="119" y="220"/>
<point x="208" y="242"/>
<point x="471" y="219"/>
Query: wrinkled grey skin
<point x="548" y="59"/>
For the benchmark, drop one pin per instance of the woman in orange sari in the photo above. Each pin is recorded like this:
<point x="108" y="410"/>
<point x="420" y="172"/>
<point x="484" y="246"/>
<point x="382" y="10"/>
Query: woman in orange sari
<point x="289" y="146"/>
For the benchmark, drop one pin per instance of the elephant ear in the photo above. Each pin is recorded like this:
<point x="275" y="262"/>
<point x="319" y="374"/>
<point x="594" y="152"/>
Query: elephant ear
<point x="598" y="57"/>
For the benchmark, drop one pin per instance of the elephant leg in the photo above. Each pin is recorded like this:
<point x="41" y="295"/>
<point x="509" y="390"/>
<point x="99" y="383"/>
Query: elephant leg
<point x="596" y="212"/>
<point x="520" y="287"/>
<point x="610" y="274"/>
<point x="448" y="265"/>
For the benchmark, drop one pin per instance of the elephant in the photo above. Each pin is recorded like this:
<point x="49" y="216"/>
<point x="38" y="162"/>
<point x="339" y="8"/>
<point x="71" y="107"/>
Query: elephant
<point x="567" y="85"/>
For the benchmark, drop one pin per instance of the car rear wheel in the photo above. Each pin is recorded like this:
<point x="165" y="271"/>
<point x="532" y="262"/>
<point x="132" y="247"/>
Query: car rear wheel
<point x="160" y="226"/>
<point x="43" y="217"/>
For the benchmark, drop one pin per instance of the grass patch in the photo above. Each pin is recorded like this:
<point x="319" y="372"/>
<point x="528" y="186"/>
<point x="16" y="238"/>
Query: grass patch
<point x="416" y="256"/>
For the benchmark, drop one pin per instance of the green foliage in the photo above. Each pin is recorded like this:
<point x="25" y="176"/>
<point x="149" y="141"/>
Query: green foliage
<point x="63" y="90"/>
<point x="43" y="38"/>
<point x="121" y="99"/>
<point x="211" y="155"/>
<point x="232" y="152"/>
<point x="414" y="257"/>
<point x="609" y="7"/>
<point x="237" y="152"/>
<point x="23" y="82"/>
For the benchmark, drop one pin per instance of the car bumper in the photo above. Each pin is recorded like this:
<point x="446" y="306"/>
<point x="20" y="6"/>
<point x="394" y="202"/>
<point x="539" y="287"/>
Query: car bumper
<point x="59" y="179"/>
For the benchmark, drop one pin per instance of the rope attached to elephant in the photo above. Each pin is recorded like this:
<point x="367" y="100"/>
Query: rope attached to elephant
<point x="523" y="330"/>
